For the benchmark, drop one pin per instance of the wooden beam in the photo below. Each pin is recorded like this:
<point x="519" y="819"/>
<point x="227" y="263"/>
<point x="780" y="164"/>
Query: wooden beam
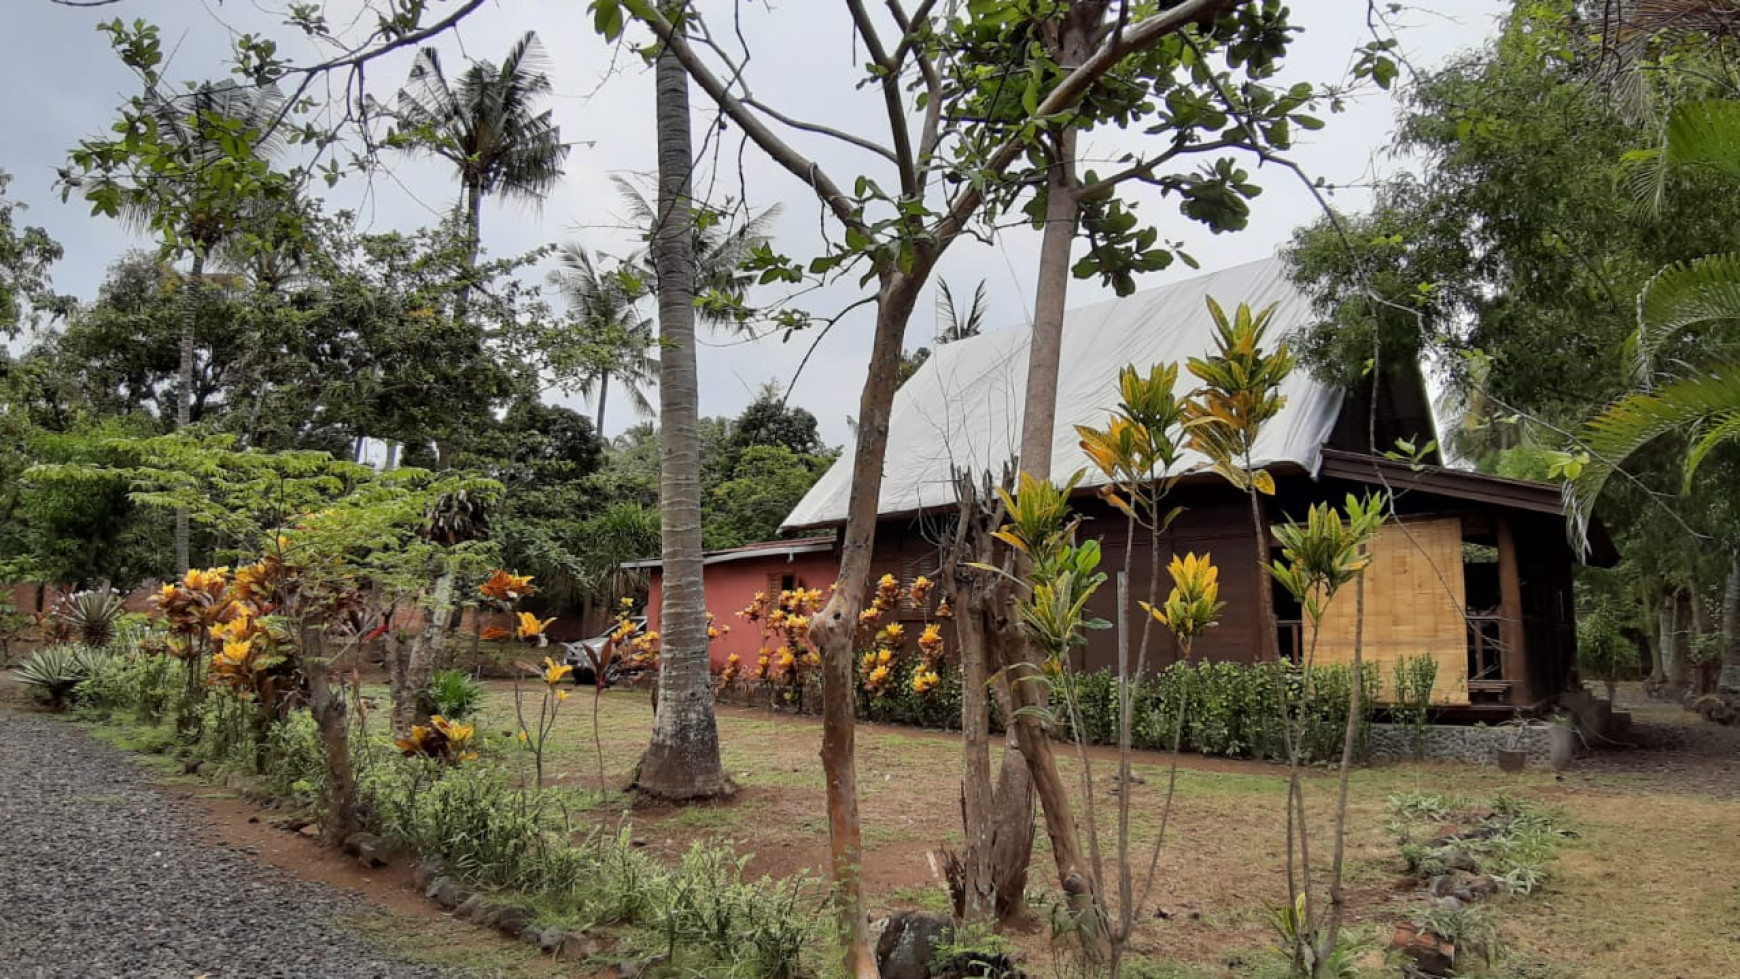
<point x="1514" y="656"/>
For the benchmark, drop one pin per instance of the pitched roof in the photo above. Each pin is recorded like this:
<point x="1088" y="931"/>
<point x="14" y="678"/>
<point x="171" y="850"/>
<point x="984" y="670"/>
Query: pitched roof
<point x="962" y="409"/>
<point x="786" y="548"/>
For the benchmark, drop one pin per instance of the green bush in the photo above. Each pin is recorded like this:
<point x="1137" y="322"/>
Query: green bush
<point x="136" y="684"/>
<point x="938" y="708"/>
<point x="1415" y="676"/>
<point x="54" y="673"/>
<point x="455" y="694"/>
<point x="295" y="766"/>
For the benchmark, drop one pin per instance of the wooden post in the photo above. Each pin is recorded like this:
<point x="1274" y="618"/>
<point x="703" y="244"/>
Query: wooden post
<point x="1514" y="656"/>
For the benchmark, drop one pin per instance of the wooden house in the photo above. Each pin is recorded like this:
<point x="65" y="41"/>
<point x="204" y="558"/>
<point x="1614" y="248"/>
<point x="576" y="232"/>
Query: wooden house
<point x="1476" y="572"/>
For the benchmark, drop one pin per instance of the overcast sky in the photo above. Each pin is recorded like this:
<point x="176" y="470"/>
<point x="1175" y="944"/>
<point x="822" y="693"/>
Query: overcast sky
<point x="64" y="83"/>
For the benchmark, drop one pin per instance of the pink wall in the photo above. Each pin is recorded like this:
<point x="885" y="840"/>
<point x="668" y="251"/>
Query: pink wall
<point x="731" y="586"/>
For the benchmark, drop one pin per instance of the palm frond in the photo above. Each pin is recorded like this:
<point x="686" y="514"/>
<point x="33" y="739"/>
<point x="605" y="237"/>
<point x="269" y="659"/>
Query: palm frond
<point x="1704" y="134"/>
<point x="1679" y="297"/>
<point x="1707" y="405"/>
<point x="960" y="325"/>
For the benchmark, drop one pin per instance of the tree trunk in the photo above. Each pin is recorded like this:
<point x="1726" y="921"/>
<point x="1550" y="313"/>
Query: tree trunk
<point x="1337" y="897"/>
<point x="833" y="630"/>
<point x="1038" y="423"/>
<point x="411" y="701"/>
<point x="332" y="717"/>
<point x="1679" y="660"/>
<point x="184" y="394"/>
<point x="978" y="890"/>
<point x="1728" y="682"/>
<point x="1702" y="629"/>
<point x="1664" y="643"/>
<point x="682" y="762"/>
<point x="603" y="392"/>
<point x="473" y="239"/>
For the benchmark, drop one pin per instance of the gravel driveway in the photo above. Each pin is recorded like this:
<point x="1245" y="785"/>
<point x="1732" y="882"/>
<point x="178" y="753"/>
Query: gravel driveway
<point x="100" y="877"/>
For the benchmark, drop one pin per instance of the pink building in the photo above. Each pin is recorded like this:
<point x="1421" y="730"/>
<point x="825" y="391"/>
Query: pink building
<point x="733" y="576"/>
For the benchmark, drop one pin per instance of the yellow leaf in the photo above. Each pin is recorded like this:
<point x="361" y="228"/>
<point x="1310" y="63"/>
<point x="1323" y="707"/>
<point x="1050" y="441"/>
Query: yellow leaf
<point x="1264" y="482"/>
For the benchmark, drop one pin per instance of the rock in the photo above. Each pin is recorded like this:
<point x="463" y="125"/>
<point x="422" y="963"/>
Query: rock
<point x="1459" y="860"/>
<point x="627" y="969"/>
<point x="426" y="871"/>
<point x="907" y="943"/>
<point x="514" y="920"/>
<point x="368" y="849"/>
<point x="1462" y="886"/>
<point x="310" y="830"/>
<point x="578" y="946"/>
<point x="1431" y="955"/>
<point x="447" y="892"/>
<point x="550" y="939"/>
<point x="478" y="910"/>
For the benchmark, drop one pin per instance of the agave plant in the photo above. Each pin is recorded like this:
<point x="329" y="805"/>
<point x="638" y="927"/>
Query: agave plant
<point x="92" y="616"/>
<point x="55" y="670"/>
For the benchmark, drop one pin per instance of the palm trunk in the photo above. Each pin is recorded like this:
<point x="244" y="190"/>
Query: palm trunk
<point x="411" y="702"/>
<point x="603" y="392"/>
<point x="184" y="394"/>
<point x="473" y="239"/>
<point x="682" y="762"/>
<point x="1679" y="664"/>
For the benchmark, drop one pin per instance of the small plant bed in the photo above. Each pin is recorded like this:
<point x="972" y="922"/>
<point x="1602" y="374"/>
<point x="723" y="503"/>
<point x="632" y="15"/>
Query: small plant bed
<point x="1467" y="858"/>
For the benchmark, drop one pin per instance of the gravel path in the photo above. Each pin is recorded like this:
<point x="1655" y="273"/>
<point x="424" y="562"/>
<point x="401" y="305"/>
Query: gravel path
<point x="101" y="878"/>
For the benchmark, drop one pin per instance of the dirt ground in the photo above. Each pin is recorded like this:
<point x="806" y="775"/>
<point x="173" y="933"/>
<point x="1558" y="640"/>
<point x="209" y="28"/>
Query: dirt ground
<point x="1650" y="886"/>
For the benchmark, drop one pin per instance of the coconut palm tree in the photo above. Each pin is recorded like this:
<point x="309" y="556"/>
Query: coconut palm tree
<point x="486" y="124"/>
<point x="721" y="251"/>
<point x="682" y="760"/>
<point x="606" y="320"/>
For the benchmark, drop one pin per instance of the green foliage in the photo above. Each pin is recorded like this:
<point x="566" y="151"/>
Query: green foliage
<point x="1324" y="554"/>
<point x="131" y="685"/>
<point x="1415" y="676"/>
<point x="1604" y="651"/>
<point x="54" y="672"/>
<point x="92" y="615"/>
<point x="1240" y="392"/>
<point x="26" y="253"/>
<point x="455" y="694"/>
<point x="1510" y="841"/>
<point x="1471" y="928"/>
<point x="895" y="701"/>
<point x="766" y="482"/>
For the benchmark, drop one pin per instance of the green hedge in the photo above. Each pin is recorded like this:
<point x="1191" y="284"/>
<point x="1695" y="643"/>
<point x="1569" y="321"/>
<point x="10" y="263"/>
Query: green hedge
<point x="1233" y="709"/>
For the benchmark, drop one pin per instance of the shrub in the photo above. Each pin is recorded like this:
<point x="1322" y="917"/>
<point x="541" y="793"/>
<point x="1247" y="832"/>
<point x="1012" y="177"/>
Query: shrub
<point x="455" y="694"/>
<point x="54" y="672"/>
<point x="1415" y="676"/>
<point x="92" y="616"/>
<point x="141" y="685"/>
<point x="295" y="759"/>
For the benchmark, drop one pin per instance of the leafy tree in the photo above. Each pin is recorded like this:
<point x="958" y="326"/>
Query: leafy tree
<point x="193" y="168"/>
<point x="26" y="253"/>
<point x="768" y="420"/>
<point x="767" y="482"/>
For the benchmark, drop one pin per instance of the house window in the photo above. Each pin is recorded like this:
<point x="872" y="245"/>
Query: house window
<point x="777" y="583"/>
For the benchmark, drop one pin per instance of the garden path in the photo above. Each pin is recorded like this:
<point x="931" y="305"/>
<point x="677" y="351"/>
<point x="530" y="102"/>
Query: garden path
<point x="101" y="877"/>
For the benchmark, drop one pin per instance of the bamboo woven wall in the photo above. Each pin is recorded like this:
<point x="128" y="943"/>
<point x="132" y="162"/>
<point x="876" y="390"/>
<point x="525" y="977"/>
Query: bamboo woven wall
<point x="1413" y="606"/>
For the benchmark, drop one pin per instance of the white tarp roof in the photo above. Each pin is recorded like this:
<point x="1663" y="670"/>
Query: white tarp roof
<point x="962" y="409"/>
